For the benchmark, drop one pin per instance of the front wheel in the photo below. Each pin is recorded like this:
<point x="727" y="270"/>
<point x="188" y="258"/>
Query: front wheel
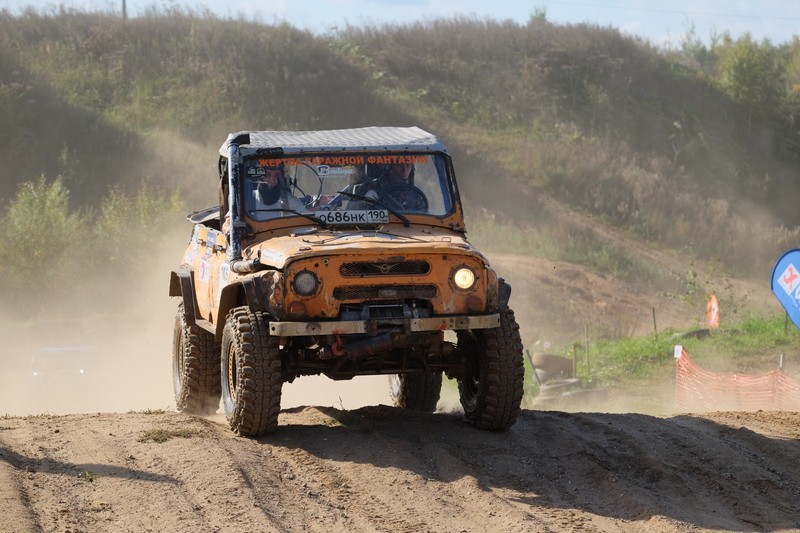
<point x="418" y="391"/>
<point x="195" y="368"/>
<point x="251" y="373"/>
<point x="492" y="394"/>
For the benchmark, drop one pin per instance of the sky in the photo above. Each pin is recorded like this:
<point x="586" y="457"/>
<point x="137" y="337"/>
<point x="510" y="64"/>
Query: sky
<point x="776" y="20"/>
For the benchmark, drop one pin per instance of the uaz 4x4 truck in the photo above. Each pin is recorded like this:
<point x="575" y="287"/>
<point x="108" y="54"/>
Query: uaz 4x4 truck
<point x="341" y="253"/>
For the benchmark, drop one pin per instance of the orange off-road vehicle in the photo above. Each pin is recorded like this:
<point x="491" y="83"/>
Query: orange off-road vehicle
<point x="342" y="253"/>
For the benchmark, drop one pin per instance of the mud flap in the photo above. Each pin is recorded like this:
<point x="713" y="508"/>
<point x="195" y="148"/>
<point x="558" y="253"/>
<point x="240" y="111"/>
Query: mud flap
<point x="180" y="284"/>
<point x="504" y="293"/>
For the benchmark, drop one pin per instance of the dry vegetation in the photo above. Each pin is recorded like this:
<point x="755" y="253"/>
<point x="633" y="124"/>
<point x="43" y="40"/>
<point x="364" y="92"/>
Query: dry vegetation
<point x="605" y="179"/>
<point x="688" y="149"/>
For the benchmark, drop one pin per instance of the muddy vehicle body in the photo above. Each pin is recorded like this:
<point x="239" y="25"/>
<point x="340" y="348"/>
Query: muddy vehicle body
<point x="342" y="253"/>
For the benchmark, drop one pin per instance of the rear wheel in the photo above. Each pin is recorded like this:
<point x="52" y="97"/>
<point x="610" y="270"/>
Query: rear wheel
<point x="491" y="395"/>
<point x="250" y="374"/>
<point x="418" y="391"/>
<point x="195" y="368"/>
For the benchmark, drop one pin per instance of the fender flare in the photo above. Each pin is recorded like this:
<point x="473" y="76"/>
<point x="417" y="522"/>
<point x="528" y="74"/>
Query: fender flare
<point x="181" y="283"/>
<point x="253" y="291"/>
<point x="503" y="294"/>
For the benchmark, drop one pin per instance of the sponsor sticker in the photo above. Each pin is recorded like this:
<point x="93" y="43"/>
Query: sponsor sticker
<point x="224" y="273"/>
<point x="204" y="270"/>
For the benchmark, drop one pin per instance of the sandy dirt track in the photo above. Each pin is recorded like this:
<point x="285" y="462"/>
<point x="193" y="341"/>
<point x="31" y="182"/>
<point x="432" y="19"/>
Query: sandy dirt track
<point x="383" y="469"/>
<point x="364" y="466"/>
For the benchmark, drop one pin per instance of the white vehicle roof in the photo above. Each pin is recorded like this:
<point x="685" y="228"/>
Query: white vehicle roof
<point x="370" y="139"/>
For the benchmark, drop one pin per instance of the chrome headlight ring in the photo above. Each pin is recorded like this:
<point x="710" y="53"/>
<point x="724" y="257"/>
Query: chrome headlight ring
<point x="463" y="278"/>
<point x="305" y="283"/>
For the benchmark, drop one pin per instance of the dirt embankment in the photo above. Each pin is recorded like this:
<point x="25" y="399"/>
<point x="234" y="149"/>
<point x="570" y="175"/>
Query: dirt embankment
<point x="383" y="469"/>
<point x="356" y="468"/>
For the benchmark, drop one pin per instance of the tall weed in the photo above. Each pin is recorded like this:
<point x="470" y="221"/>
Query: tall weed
<point x="49" y="251"/>
<point x="42" y="243"/>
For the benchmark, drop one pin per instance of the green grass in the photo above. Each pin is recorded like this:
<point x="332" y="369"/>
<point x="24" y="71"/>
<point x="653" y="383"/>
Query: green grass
<point x="638" y="373"/>
<point x="754" y="345"/>
<point x="642" y="368"/>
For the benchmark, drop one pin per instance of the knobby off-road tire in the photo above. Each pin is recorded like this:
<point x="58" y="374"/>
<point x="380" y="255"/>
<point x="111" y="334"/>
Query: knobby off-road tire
<point x="251" y="373"/>
<point x="491" y="397"/>
<point x="195" y="368"/>
<point x="418" y="391"/>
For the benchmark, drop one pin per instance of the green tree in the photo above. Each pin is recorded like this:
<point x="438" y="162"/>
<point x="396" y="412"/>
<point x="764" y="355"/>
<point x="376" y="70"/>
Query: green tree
<point x="694" y="48"/>
<point x="789" y="134"/>
<point x="749" y="72"/>
<point x="792" y="68"/>
<point x="41" y="240"/>
<point x="127" y="224"/>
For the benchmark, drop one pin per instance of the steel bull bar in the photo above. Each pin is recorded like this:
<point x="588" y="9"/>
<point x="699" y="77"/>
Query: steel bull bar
<point x="370" y="326"/>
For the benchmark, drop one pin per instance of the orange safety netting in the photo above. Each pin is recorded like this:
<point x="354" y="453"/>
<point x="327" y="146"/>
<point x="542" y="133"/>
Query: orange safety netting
<point x="698" y="389"/>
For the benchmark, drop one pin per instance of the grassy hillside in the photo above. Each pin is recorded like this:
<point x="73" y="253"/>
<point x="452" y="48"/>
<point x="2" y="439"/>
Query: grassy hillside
<point x="669" y="146"/>
<point x="603" y="123"/>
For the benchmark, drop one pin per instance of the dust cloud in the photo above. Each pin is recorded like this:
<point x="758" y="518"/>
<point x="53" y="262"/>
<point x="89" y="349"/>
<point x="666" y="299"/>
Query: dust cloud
<point x="121" y="334"/>
<point x="112" y="353"/>
<point x="106" y="351"/>
<point x="108" y="348"/>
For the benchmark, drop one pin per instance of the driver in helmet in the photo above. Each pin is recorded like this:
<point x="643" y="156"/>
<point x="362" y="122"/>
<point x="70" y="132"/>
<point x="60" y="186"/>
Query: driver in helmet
<point x="395" y="187"/>
<point x="399" y="173"/>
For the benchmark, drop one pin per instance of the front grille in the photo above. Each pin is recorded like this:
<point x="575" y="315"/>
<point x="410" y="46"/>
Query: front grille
<point x="397" y="268"/>
<point x="384" y="292"/>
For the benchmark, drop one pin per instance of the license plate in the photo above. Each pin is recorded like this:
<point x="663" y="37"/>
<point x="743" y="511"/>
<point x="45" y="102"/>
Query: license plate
<point x="370" y="216"/>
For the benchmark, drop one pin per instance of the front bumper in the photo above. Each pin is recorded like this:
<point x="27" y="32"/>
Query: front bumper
<point x="354" y="327"/>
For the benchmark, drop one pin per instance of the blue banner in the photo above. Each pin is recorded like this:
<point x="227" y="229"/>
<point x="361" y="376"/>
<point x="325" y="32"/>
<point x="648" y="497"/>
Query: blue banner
<point x="786" y="284"/>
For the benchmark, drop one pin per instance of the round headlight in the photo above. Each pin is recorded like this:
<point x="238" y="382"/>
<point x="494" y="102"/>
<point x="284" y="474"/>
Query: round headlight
<point x="464" y="278"/>
<point x="305" y="283"/>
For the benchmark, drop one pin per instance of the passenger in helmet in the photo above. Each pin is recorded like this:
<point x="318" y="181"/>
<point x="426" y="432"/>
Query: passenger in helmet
<point x="271" y="191"/>
<point x="270" y="194"/>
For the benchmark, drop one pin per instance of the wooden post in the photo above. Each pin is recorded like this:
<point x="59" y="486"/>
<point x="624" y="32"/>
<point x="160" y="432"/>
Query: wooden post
<point x="586" y="339"/>
<point x="655" y="327"/>
<point x="574" y="361"/>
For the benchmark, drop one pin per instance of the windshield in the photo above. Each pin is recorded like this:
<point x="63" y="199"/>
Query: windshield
<point x="347" y="189"/>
